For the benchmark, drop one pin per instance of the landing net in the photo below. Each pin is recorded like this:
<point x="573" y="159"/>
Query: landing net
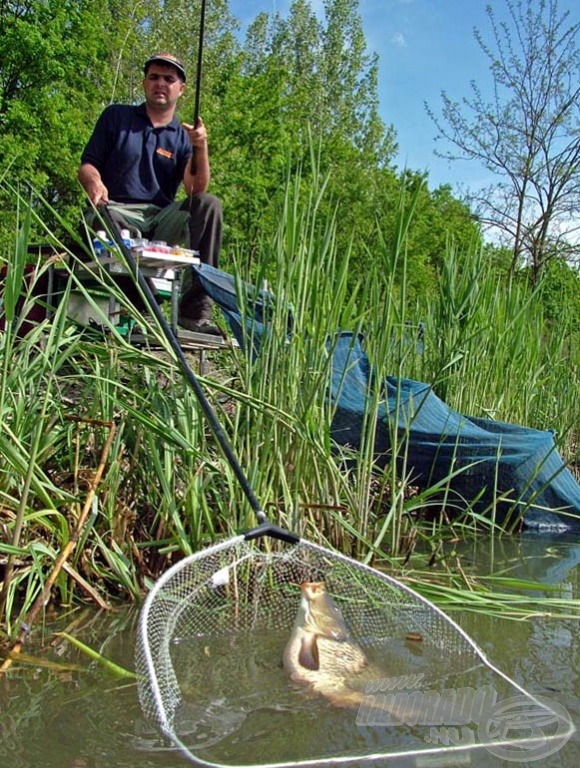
<point x="211" y="639"/>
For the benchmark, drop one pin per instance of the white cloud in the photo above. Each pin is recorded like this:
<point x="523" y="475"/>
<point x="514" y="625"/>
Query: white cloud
<point x="399" y="40"/>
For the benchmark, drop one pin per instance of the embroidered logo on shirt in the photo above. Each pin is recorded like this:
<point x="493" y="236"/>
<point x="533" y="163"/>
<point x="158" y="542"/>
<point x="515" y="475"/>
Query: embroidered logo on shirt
<point x="165" y="153"/>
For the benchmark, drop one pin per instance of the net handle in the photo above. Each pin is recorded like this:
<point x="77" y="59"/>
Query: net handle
<point x="273" y="531"/>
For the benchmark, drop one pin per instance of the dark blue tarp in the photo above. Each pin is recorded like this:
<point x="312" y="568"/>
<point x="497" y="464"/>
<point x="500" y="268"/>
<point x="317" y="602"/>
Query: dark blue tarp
<point x="490" y="463"/>
<point x="253" y="322"/>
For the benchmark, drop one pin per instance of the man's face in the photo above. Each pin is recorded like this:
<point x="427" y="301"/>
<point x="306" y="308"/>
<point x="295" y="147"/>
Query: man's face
<point x="162" y="86"/>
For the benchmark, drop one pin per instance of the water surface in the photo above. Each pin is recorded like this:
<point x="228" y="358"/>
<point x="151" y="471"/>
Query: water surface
<point x="239" y="707"/>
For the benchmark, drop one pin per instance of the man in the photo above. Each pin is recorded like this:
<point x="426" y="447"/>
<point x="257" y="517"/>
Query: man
<point x="135" y="161"/>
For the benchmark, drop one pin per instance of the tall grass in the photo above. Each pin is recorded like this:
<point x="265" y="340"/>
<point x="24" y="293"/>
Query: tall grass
<point x="490" y="353"/>
<point x="168" y="490"/>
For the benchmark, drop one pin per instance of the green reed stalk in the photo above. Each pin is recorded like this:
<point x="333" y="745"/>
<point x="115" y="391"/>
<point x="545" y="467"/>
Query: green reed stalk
<point x="167" y="490"/>
<point x="115" y="669"/>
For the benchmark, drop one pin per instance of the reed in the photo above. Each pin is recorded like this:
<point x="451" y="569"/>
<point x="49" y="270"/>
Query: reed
<point x="490" y="352"/>
<point x="167" y="490"/>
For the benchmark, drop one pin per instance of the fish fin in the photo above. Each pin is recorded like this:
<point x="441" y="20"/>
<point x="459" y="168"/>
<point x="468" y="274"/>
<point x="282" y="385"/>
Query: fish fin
<point x="308" y="657"/>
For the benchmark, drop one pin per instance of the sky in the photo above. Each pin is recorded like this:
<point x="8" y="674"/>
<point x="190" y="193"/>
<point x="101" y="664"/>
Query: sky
<point x="424" y="47"/>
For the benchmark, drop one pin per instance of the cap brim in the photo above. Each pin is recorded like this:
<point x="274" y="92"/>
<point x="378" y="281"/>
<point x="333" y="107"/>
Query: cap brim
<point x="166" y="60"/>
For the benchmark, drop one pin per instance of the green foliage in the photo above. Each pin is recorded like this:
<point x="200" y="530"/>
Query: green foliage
<point x="167" y="490"/>
<point x="561" y="297"/>
<point x="51" y="74"/>
<point x="298" y="78"/>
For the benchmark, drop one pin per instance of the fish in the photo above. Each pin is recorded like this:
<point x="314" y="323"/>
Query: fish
<point x="321" y="655"/>
<point x="320" y="652"/>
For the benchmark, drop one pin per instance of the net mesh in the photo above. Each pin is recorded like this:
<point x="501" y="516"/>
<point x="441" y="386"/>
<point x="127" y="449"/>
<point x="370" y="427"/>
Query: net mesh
<point x="211" y="638"/>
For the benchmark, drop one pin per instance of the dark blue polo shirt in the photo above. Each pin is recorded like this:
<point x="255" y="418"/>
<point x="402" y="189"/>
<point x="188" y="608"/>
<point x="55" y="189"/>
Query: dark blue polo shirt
<point x="137" y="162"/>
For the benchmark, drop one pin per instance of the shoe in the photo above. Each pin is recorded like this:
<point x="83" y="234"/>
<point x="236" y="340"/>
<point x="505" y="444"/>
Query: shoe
<point x="199" y="326"/>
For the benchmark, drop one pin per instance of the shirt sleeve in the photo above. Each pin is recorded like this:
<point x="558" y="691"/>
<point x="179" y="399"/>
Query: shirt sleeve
<point x="102" y="140"/>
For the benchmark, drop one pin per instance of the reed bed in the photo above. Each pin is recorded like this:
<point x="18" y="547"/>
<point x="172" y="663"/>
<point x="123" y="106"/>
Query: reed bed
<point x="167" y="491"/>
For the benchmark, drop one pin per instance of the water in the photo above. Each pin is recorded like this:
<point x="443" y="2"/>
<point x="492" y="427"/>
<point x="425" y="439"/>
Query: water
<point x="236" y="694"/>
<point x="238" y="705"/>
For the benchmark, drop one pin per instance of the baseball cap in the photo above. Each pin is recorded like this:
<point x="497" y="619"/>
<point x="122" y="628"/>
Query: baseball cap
<point x="166" y="58"/>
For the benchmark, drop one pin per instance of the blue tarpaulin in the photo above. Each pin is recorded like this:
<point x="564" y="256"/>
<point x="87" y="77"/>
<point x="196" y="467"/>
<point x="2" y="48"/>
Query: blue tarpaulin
<point x="490" y="463"/>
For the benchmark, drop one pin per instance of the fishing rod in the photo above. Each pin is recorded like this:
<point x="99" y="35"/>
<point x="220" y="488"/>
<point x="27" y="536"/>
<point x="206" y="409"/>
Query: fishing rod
<point x="196" y="109"/>
<point x="199" y="63"/>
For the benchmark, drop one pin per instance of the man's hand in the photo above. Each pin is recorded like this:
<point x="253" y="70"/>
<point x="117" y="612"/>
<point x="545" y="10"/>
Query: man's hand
<point x="98" y="193"/>
<point x="197" y="174"/>
<point x="197" y="134"/>
<point x="91" y="180"/>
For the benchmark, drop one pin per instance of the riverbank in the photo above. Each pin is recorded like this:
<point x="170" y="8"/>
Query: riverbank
<point x="166" y="489"/>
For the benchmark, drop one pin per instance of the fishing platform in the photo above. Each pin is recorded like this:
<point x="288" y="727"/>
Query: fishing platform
<point x="91" y="304"/>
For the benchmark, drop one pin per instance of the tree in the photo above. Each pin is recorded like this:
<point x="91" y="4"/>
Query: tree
<point x="527" y="134"/>
<point x="52" y="79"/>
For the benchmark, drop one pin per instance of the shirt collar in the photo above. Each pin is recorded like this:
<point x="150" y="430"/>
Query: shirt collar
<point x="142" y="112"/>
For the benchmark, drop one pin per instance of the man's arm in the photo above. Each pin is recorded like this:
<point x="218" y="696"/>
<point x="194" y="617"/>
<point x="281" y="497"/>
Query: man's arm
<point x="91" y="180"/>
<point x="198" y="182"/>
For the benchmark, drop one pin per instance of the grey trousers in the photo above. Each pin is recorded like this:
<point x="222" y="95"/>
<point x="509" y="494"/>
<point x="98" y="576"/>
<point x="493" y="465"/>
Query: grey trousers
<point x="195" y="222"/>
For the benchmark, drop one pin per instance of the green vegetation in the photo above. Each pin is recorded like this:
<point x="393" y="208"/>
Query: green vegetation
<point x="314" y="205"/>
<point x="166" y="489"/>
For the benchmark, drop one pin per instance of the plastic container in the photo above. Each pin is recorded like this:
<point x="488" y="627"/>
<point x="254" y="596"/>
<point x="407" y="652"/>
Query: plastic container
<point x="101" y="243"/>
<point x="159" y="246"/>
<point x="126" y="238"/>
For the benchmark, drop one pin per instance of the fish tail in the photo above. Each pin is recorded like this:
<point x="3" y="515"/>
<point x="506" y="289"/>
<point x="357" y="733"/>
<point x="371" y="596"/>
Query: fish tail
<point x="346" y="699"/>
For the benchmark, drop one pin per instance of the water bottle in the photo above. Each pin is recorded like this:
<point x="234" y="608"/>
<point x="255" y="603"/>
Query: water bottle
<point x="126" y="238"/>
